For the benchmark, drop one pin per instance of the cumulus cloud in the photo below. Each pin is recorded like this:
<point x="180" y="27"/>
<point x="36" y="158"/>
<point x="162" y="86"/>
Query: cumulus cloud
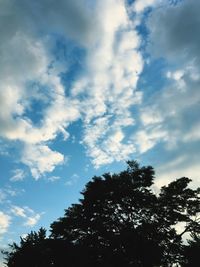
<point x="113" y="65"/>
<point x="105" y="142"/>
<point x="148" y="138"/>
<point x="5" y="221"/>
<point x="105" y="92"/>
<point x="26" y="59"/>
<point x="41" y="159"/>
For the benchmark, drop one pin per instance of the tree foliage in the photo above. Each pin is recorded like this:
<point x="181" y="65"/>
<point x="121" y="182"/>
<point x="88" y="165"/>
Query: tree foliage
<point x="119" y="221"/>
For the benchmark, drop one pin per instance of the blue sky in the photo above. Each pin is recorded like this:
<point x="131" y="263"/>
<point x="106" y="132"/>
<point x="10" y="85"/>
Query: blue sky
<point x="86" y="85"/>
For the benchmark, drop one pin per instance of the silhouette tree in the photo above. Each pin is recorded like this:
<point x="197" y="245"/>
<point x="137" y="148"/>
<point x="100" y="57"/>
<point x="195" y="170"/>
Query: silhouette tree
<point x="119" y="221"/>
<point x="30" y="251"/>
<point x="36" y="250"/>
<point x="192" y="251"/>
<point x="124" y="223"/>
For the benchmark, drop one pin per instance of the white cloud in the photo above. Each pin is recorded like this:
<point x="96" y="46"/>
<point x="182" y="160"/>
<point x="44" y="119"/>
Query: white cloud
<point x="31" y="221"/>
<point x="150" y="116"/>
<point x="183" y="166"/>
<point x="18" y="175"/>
<point x="53" y="178"/>
<point x="8" y="192"/>
<point x="26" y="57"/>
<point x="105" y="142"/>
<point x="41" y="159"/>
<point x="5" y="221"/>
<point x="105" y="92"/>
<point x="174" y="104"/>
<point x="148" y="138"/>
<point x="31" y="218"/>
<point x="18" y="211"/>
<point x="109" y="88"/>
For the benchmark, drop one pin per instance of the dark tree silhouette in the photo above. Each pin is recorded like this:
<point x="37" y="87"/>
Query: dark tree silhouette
<point x="119" y="222"/>
<point x="29" y="252"/>
<point x="192" y="252"/>
<point x="36" y="250"/>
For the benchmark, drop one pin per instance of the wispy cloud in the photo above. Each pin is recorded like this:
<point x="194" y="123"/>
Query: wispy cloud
<point x="8" y="192"/>
<point x="5" y="221"/>
<point x="53" y="178"/>
<point x="31" y="218"/>
<point x="72" y="180"/>
<point x="31" y="221"/>
<point x="18" y="175"/>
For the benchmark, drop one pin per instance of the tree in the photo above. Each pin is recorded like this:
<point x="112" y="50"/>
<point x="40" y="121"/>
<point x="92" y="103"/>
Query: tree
<point x="191" y="252"/>
<point x="36" y="250"/>
<point x="30" y="251"/>
<point x="119" y="221"/>
<point x="122" y="222"/>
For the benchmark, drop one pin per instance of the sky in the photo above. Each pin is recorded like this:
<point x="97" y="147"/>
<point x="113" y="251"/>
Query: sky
<point x="86" y="85"/>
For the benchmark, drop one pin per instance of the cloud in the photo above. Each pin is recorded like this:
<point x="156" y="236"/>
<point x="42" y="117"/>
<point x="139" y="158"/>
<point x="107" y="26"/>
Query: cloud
<point x="109" y="89"/>
<point x="8" y="192"/>
<point x="25" y="72"/>
<point x="18" y="211"/>
<point x="104" y="93"/>
<point x="41" y="159"/>
<point x="182" y="166"/>
<point x="174" y="109"/>
<point x="53" y="178"/>
<point x="107" y="85"/>
<point x="140" y="5"/>
<point x="18" y="175"/>
<point x="105" y="143"/>
<point x="148" y="138"/>
<point x="31" y="218"/>
<point x="3" y="196"/>
<point x="171" y="33"/>
<point x="31" y="221"/>
<point x="5" y="221"/>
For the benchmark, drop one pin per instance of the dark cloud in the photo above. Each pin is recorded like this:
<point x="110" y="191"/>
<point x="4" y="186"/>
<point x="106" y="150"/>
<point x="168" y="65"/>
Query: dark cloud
<point x="175" y="31"/>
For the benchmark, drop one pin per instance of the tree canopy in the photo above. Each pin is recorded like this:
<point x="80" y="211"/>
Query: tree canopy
<point x="119" y="221"/>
